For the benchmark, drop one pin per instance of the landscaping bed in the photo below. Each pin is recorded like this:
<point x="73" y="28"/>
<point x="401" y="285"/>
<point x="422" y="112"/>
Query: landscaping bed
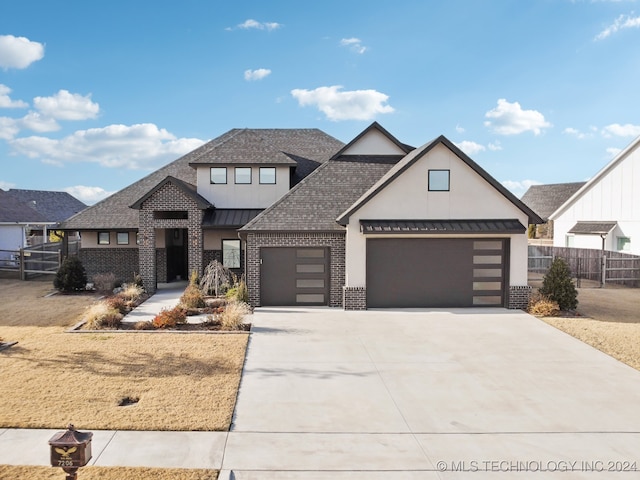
<point x="107" y="473"/>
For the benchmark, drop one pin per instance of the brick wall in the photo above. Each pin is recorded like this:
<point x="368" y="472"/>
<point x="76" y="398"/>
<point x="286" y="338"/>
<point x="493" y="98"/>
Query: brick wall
<point x="335" y="242"/>
<point x="161" y="265"/>
<point x="122" y="262"/>
<point x="519" y="296"/>
<point x="355" y="298"/>
<point x="211" y="255"/>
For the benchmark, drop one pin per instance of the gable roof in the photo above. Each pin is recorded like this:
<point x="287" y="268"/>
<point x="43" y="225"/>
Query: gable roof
<point x="374" y="126"/>
<point x="413" y="157"/>
<point x="314" y="203"/>
<point x="596" y="178"/>
<point x="53" y="206"/>
<point x="311" y="145"/>
<point x="13" y="210"/>
<point x="186" y="188"/>
<point x="546" y="199"/>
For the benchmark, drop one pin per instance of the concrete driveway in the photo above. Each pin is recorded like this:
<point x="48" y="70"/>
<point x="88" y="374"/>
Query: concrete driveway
<point x="469" y="393"/>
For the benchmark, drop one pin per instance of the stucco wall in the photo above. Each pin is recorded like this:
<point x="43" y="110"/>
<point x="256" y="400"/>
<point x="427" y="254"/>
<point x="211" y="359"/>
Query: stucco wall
<point x="407" y="197"/>
<point x="90" y="240"/>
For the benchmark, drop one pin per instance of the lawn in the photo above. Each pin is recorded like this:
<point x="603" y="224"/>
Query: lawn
<point x="107" y="473"/>
<point x="52" y="378"/>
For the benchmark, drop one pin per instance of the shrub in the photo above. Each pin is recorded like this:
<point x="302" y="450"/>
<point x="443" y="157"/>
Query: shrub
<point x="543" y="306"/>
<point x="214" y="277"/>
<point x="137" y="280"/>
<point x="102" y="315"/>
<point x="169" y="318"/>
<point x="558" y="285"/>
<point x="71" y="276"/>
<point x="192" y="297"/>
<point x="238" y="292"/>
<point x="232" y="317"/>
<point x="131" y="292"/>
<point x="104" y="282"/>
<point x="118" y="302"/>
<point x="143" y="325"/>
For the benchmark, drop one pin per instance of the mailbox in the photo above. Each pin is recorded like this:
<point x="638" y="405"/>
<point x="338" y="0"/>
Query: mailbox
<point x="70" y="450"/>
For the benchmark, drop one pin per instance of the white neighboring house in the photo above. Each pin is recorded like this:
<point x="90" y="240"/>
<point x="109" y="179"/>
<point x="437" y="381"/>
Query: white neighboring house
<point x="605" y="212"/>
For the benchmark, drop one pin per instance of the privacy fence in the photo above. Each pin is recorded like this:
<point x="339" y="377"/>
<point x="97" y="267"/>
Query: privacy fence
<point x="589" y="264"/>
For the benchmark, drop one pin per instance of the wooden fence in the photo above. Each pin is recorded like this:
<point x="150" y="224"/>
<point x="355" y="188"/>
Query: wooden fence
<point x="43" y="259"/>
<point x="589" y="264"/>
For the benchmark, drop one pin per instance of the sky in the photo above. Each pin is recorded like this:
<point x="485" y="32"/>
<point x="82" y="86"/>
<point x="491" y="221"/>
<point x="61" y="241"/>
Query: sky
<point x="95" y="95"/>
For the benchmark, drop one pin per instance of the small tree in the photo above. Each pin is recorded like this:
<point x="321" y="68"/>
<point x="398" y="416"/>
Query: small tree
<point x="558" y="285"/>
<point x="71" y="276"/>
<point x="215" y="275"/>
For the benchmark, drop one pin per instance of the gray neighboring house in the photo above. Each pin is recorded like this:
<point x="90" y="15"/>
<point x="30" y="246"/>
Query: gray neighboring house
<point x="546" y="199"/>
<point x="312" y="221"/>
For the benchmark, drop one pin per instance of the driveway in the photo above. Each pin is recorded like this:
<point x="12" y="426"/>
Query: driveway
<point x="442" y="394"/>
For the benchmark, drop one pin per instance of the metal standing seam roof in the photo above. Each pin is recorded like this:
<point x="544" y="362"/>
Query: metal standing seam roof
<point x="593" y="228"/>
<point x="438" y="227"/>
<point x="229" y="217"/>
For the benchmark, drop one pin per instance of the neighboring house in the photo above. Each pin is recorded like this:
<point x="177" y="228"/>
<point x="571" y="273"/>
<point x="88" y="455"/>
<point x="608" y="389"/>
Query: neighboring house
<point x="546" y="199"/>
<point x="605" y="212"/>
<point x="311" y="221"/>
<point x="16" y="218"/>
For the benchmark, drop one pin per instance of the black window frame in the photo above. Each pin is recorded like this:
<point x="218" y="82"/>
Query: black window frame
<point x="108" y="234"/>
<point x="118" y="242"/>
<point x="239" y="249"/>
<point x="274" y="175"/>
<point x="448" y="189"/>
<point x="235" y="175"/>
<point x="211" y="169"/>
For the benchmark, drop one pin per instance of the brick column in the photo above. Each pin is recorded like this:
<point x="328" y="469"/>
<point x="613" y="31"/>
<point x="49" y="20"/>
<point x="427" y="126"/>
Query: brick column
<point x="147" y="250"/>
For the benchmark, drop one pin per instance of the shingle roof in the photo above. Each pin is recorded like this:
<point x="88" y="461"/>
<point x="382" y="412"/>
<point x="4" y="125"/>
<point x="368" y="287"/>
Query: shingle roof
<point x="53" y="206"/>
<point x="441" y="226"/>
<point x="312" y="145"/>
<point x="189" y="190"/>
<point x="593" y="228"/>
<point x="315" y="202"/>
<point x="546" y="199"/>
<point x="13" y="210"/>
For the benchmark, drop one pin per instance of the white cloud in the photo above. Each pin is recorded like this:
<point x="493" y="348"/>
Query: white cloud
<point x="9" y="128"/>
<point x="344" y="105"/>
<point x="88" y="195"/>
<point x="354" y="44"/>
<point x="470" y="148"/>
<point x="141" y="146"/>
<point x="67" y="106"/>
<point x="6" y="185"/>
<point x="615" y="129"/>
<point x="460" y="129"/>
<point x="39" y="123"/>
<point x="5" y="100"/>
<point x="510" y="119"/>
<point x="519" y="187"/>
<point x="613" y="152"/>
<point x="251" y="23"/>
<point x="259" y="74"/>
<point x="19" y="52"/>
<point x="621" y="23"/>
<point x="494" y="146"/>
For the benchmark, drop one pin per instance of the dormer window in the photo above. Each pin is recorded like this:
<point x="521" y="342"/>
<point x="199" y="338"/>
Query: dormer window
<point x="439" y="180"/>
<point x="243" y="175"/>
<point x="218" y="175"/>
<point x="267" y="175"/>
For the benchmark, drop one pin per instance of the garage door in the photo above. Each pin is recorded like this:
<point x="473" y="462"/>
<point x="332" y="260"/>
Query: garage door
<point x="425" y="272"/>
<point x="294" y="276"/>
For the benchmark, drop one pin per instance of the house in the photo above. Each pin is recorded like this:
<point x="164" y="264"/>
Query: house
<point x="311" y="221"/>
<point x="605" y="212"/>
<point x="546" y="199"/>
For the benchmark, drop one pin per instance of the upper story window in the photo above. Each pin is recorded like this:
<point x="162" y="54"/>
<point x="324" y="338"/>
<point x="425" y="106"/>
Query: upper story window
<point x="103" y="238"/>
<point x="439" y="180"/>
<point x="122" y="238"/>
<point x="267" y="175"/>
<point x="243" y="175"/>
<point x="219" y="175"/>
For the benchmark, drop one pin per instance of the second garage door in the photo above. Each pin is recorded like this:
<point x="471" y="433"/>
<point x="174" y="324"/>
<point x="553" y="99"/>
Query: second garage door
<point x="443" y="272"/>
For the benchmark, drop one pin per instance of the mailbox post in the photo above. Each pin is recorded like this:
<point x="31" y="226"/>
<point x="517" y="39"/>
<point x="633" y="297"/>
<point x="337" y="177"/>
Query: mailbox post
<point x="70" y="450"/>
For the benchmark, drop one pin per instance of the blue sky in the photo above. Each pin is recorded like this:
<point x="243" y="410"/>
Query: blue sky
<point x="96" y="94"/>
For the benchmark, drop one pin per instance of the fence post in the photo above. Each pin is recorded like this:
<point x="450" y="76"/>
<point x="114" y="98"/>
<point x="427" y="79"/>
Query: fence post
<point x="603" y="280"/>
<point x="22" y="274"/>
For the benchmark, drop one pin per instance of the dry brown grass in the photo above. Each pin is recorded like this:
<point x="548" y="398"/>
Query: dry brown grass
<point x="107" y="473"/>
<point x="52" y="378"/>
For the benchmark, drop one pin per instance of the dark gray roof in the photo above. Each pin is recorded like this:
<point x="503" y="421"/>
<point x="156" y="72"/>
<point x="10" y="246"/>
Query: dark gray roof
<point x="546" y="199"/>
<point x="418" y="153"/>
<point x="189" y="190"/>
<point x="113" y="212"/>
<point x="54" y="206"/>
<point x="441" y="226"/>
<point x="13" y="210"/>
<point x="229" y="217"/>
<point x="593" y="228"/>
<point x="375" y="126"/>
<point x="315" y="203"/>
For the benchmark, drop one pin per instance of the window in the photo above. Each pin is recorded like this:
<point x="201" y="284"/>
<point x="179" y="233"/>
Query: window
<point x="171" y="214"/>
<point x="218" y="175"/>
<point x="624" y="244"/>
<point x="267" y="175"/>
<point x="103" y="238"/>
<point x="243" y="175"/>
<point x="231" y="253"/>
<point x="122" y="238"/>
<point x="438" y="180"/>
<point x="569" y="241"/>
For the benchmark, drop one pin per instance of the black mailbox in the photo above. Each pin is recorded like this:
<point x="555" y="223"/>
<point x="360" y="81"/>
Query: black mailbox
<point x="70" y="450"/>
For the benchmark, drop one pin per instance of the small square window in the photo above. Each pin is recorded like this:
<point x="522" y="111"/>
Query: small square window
<point x="122" y="238"/>
<point x="624" y="244"/>
<point x="103" y="238"/>
<point x="438" y="180"/>
<point x="267" y="175"/>
<point x="243" y="175"/>
<point x="231" y="253"/>
<point x="218" y="175"/>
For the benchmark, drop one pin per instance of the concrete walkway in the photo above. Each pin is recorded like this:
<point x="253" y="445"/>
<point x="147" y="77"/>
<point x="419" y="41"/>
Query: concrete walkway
<point x="432" y="394"/>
